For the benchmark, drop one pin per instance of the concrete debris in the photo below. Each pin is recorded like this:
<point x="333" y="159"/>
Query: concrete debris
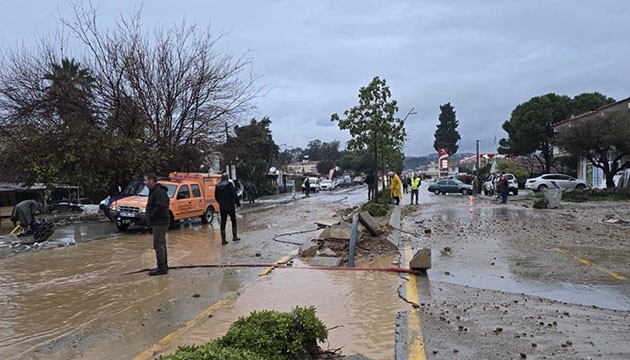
<point x="326" y="261"/>
<point x="326" y="252"/>
<point x="308" y="249"/>
<point x="370" y="224"/>
<point x="322" y="223"/>
<point x="421" y="260"/>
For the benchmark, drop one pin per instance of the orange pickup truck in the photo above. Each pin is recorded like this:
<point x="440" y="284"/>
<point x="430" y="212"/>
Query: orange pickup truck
<point x="191" y="195"/>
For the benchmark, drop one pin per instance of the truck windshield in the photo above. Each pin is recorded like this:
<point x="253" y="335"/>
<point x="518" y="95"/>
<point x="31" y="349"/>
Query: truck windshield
<point x="170" y="190"/>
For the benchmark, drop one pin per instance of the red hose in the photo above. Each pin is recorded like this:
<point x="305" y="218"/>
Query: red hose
<point x="284" y="266"/>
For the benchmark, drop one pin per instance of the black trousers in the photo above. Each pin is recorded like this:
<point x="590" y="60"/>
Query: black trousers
<point x="159" y="245"/>
<point x="414" y="193"/>
<point x="224" y="216"/>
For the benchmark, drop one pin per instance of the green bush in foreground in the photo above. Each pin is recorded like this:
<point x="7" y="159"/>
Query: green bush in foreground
<point x="375" y="209"/>
<point x="263" y="335"/>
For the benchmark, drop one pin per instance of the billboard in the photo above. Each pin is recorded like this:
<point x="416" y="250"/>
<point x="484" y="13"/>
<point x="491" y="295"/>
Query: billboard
<point x="443" y="161"/>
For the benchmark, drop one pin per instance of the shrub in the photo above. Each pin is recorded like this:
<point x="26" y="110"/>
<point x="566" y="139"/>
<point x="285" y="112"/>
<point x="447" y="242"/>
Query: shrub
<point x="540" y="203"/>
<point x="375" y="209"/>
<point x="211" y="351"/>
<point x="263" y="335"/>
<point x="384" y="196"/>
<point x="277" y="335"/>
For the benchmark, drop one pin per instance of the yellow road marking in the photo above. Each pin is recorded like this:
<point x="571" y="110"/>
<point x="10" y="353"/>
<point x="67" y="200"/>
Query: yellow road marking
<point x="590" y="263"/>
<point x="165" y="341"/>
<point x="414" y="327"/>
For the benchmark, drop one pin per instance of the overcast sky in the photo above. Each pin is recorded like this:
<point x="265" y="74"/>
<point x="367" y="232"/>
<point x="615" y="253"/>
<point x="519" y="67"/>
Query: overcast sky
<point x="484" y="57"/>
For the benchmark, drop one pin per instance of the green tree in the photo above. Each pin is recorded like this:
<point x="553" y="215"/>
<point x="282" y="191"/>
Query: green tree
<point x="356" y="162"/>
<point x="252" y="150"/>
<point x="372" y="123"/>
<point x="446" y="135"/>
<point x="597" y="139"/>
<point x="586" y="102"/>
<point x="530" y="128"/>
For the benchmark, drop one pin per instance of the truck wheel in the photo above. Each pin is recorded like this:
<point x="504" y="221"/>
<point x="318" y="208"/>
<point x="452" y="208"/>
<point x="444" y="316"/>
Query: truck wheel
<point x="515" y="191"/>
<point x="122" y="227"/>
<point x="208" y="215"/>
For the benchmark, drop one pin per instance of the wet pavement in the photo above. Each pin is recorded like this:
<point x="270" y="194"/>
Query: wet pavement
<point x="73" y="301"/>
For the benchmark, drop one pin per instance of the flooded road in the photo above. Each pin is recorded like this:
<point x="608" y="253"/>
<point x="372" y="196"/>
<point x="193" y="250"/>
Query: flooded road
<point x="75" y="301"/>
<point x="78" y="301"/>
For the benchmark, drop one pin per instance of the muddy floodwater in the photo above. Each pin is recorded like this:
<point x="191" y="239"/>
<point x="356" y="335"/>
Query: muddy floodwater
<point x="60" y="298"/>
<point x="506" y="280"/>
<point x="91" y="299"/>
<point x="358" y="307"/>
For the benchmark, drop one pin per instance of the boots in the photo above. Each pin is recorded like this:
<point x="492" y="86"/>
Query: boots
<point x="235" y="237"/>
<point x="223" y="241"/>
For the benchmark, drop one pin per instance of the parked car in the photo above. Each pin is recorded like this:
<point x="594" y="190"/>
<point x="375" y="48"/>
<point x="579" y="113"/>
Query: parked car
<point x="450" y="186"/>
<point x="551" y="181"/>
<point x="490" y="185"/>
<point x="315" y="184"/>
<point x="358" y="180"/>
<point x="342" y="182"/>
<point x="327" y="184"/>
<point x="130" y="190"/>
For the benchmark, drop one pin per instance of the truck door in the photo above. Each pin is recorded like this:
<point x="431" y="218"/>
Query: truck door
<point x="183" y="204"/>
<point x="196" y="200"/>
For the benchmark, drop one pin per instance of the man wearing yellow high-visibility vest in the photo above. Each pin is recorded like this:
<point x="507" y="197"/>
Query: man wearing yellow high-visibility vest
<point x="415" y="185"/>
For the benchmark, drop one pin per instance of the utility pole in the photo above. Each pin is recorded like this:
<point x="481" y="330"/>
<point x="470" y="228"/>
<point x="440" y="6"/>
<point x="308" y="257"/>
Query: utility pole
<point x="478" y="162"/>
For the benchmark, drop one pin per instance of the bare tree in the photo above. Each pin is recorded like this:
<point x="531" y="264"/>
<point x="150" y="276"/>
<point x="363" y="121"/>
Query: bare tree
<point x="157" y="100"/>
<point x="175" y="76"/>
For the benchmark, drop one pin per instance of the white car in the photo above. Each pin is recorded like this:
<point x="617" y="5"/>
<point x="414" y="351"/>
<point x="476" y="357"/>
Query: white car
<point x="489" y="186"/>
<point x="315" y="184"/>
<point x="327" y="185"/>
<point x="551" y="181"/>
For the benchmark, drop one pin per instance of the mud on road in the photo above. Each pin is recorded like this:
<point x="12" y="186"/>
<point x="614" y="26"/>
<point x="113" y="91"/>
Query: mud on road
<point x="523" y="283"/>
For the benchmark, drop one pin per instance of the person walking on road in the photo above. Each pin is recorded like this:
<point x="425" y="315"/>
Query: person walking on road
<point x="395" y="187"/>
<point x="226" y="196"/>
<point x="307" y="187"/>
<point x="24" y="213"/>
<point x="369" y="180"/>
<point x="503" y="188"/>
<point x="251" y="192"/>
<point x="415" y="186"/>
<point x="159" y="219"/>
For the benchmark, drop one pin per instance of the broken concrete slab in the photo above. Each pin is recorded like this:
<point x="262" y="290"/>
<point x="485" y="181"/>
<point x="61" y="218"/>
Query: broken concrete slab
<point x="369" y="223"/>
<point x="322" y="223"/>
<point x="325" y="234"/>
<point x="326" y="261"/>
<point x="421" y="260"/>
<point x="340" y="231"/>
<point x="326" y="252"/>
<point x="308" y="249"/>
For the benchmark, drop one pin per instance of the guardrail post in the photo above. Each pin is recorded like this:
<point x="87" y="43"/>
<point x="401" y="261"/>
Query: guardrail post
<point x="353" y="239"/>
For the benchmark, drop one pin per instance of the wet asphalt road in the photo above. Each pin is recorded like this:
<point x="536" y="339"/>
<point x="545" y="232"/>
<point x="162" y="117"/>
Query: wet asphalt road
<point x="72" y="301"/>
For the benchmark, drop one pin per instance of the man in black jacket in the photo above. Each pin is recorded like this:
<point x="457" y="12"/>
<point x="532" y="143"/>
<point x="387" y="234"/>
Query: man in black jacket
<point x="159" y="219"/>
<point x="226" y="196"/>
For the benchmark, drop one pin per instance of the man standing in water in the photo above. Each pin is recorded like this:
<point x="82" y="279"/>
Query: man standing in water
<point x="159" y="219"/>
<point x="226" y="196"/>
